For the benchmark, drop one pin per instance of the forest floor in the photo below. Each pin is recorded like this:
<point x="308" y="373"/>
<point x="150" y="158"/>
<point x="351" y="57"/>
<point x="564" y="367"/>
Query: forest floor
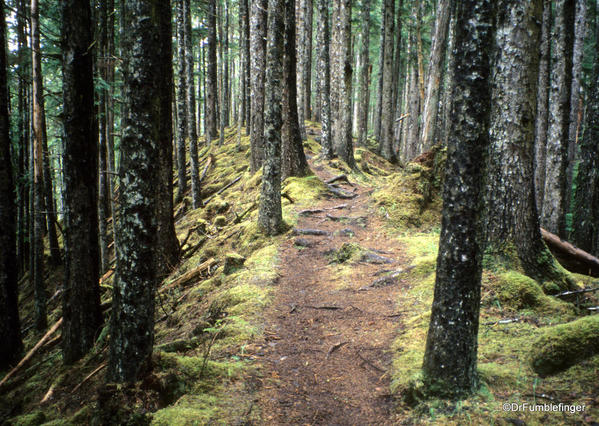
<point x="327" y="339"/>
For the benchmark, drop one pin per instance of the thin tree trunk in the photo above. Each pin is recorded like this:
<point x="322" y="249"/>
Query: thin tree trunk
<point x="258" y="24"/>
<point x="82" y="316"/>
<point x="246" y="66"/>
<point x="211" y="77"/>
<point x="388" y="110"/>
<point x="181" y="102"/>
<point x="324" y="67"/>
<point x="379" y="93"/>
<point x="364" y="76"/>
<point x="431" y="102"/>
<point x="307" y="67"/>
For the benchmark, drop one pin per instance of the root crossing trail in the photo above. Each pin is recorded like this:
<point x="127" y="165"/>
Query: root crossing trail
<point x="326" y="351"/>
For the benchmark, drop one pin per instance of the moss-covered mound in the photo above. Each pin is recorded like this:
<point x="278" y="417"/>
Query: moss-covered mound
<point x="564" y="345"/>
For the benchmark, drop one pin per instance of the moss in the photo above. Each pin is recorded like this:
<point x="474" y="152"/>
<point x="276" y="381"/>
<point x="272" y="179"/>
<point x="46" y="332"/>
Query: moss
<point x="220" y="221"/>
<point x="217" y="206"/>
<point x="347" y="251"/>
<point x="304" y="190"/>
<point x="233" y="261"/>
<point x="562" y="346"/>
<point x="31" y="419"/>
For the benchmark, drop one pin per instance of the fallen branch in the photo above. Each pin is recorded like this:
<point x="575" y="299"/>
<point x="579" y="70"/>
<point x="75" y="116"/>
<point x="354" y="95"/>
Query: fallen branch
<point x="366" y="361"/>
<point x="571" y="258"/>
<point x="208" y="163"/>
<point x="308" y="231"/>
<point x="339" y="178"/>
<point x="584" y="290"/>
<point x="503" y="321"/>
<point x="190" y="275"/>
<point x="89" y="376"/>
<point x="220" y="191"/>
<point x="309" y="212"/>
<point x="239" y="218"/>
<point x="106" y="275"/>
<point x="334" y="348"/>
<point x="31" y="352"/>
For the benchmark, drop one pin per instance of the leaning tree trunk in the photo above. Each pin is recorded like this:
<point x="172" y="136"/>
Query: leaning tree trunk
<point x="324" y="66"/>
<point x="82" y="316"/>
<point x="388" y="110"/>
<point x="132" y="326"/>
<point x="554" y="203"/>
<point x="293" y="159"/>
<point x="270" y="215"/>
<point x="192" y="132"/>
<point x="343" y="142"/>
<point x="364" y="92"/>
<point x="541" y="120"/>
<point x="258" y="59"/>
<point x="11" y="345"/>
<point x="512" y="215"/>
<point x="181" y="102"/>
<point x="431" y="101"/>
<point x="449" y="366"/>
<point x="41" y="320"/>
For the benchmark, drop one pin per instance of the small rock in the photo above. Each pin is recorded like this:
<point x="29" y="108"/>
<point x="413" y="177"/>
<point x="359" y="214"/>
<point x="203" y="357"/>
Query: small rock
<point x="233" y="261"/>
<point x="369" y="257"/>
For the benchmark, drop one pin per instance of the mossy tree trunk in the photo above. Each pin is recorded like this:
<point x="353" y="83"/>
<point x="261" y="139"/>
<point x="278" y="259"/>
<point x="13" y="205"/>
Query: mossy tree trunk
<point x="270" y="215"/>
<point x="324" y="67"/>
<point x="258" y="21"/>
<point x="293" y="159"/>
<point x="449" y="367"/>
<point x="132" y="326"/>
<point x="11" y="345"/>
<point x="553" y="215"/>
<point x="81" y="312"/>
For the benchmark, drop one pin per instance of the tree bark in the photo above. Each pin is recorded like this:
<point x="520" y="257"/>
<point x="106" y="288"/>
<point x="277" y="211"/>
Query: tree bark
<point x="11" y="345"/>
<point x="364" y="86"/>
<point x="431" y="102"/>
<point x="324" y="67"/>
<point x="293" y="159"/>
<point x="270" y="215"/>
<point x="41" y="321"/>
<point x="132" y="326"/>
<point x="246" y="66"/>
<point x="181" y="102"/>
<point x="211" y="77"/>
<point x="412" y="142"/>
<point x="555" y="204"/>
<point x="82" y="316"/>
<point x="258" y="24"/>
<point x="379" y="93"/>
<point x="449" y="365"/>
<point x="388" y="110"/>
<point x="541" y="122"/>
<point x="307" y="69"/>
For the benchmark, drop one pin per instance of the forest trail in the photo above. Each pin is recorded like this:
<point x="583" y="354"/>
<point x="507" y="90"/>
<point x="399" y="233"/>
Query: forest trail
<point x="328" y="335"/>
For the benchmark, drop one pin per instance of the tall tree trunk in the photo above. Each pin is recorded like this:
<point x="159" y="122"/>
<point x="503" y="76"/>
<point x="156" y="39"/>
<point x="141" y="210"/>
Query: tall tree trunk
<point x="451" y="348"/>
<point x="585" y="208"/>
<point x="364" y="84"/>
<point x="379" y="93"/>
<point x="132" y="327"/>
<point x="246" y="66"/>
<point x="81" y="312"/>
<point x="211" y="77"/>
<point x="431" y="102"/>
<point x="449" y="78"/>
<point x="397" y="62"/>
<point x="575" y="95"/>
<point x="541" y="121"/>
<point x="307" y="68"/>
<point x="221" y="75"/>
<point x="192" y="132"/>
<point x="270" y="215"/>
<point x="11" y="345"/>
<point x="226" y="71"/>
<point x="412" y="142"/>
<point x="388" y="110"/>
<point x="41" y="320"/>
<point x="301" y="52"/>
<point x="324" y="67"/>
<point x="181" y="102"/>
<point x="258" y="24"/>
<point x="553" y="216"/>
<point x="343" y="142"/>
<point x="293" y="159"/>
<point x="50" y="205"/>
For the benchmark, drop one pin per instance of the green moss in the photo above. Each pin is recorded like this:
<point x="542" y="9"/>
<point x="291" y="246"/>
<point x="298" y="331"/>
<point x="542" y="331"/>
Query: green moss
<point x="32" y="419"/>
<point x="304" y="190"/>
<point x="220" y="221"/>
<point x="233" y="261"/>
<point x="564" y="345"/>
<point x="217" y="206"/>
<point x="347" y="251"/>
<point x="190" y="410"/>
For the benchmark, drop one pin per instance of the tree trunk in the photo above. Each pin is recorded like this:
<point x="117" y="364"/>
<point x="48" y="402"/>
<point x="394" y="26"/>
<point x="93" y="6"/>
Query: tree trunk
<point x="379" y="93"/>
<point x="11" y="345"/>
<point x="343" y="142"/>
<point x="554" y="204"/>
<point x="41" y="321"/>
<point x="221" y="75"/>
<point x="388" y="111"/>
<point x="575" y="95"/>
<point x="364" y="89"/>
<point x="50" y="205"/>
<point x="192" y="132"/>
<point x="301" y="52"/>
<point x="258" y="24"/>
<point x="324" y="67"/>
<point x="132" y="326"/>
<point x="82" y="316"/>
<point x="293" y="159"/>
<point x="270" y="215"/>
<point x="449" y="365"/>
<point x="181" y="102"/>
<point x="211" y="77"/>
<point x="431" y="102"/>
<point x="412" y="142"/>
<point x="246" y="66"/>
<point x="541" y="121"/>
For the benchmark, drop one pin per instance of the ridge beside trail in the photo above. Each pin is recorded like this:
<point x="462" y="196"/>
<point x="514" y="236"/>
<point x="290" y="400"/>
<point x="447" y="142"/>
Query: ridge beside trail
<point x="326" y="350"/>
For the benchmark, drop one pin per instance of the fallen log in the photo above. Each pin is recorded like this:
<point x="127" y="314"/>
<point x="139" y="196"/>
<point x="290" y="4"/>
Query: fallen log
<point x="190" y="275"/>
<point x="570" y="257"/>
<point x="208" y="163"/>
<point x="220" y="191"/>
<point x="32" y="352"/>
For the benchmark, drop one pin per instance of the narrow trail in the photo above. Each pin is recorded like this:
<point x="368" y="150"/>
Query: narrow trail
<point x="326" y="351"/>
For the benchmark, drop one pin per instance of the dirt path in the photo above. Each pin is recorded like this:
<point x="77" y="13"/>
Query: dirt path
<point x="326" y="352"/>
